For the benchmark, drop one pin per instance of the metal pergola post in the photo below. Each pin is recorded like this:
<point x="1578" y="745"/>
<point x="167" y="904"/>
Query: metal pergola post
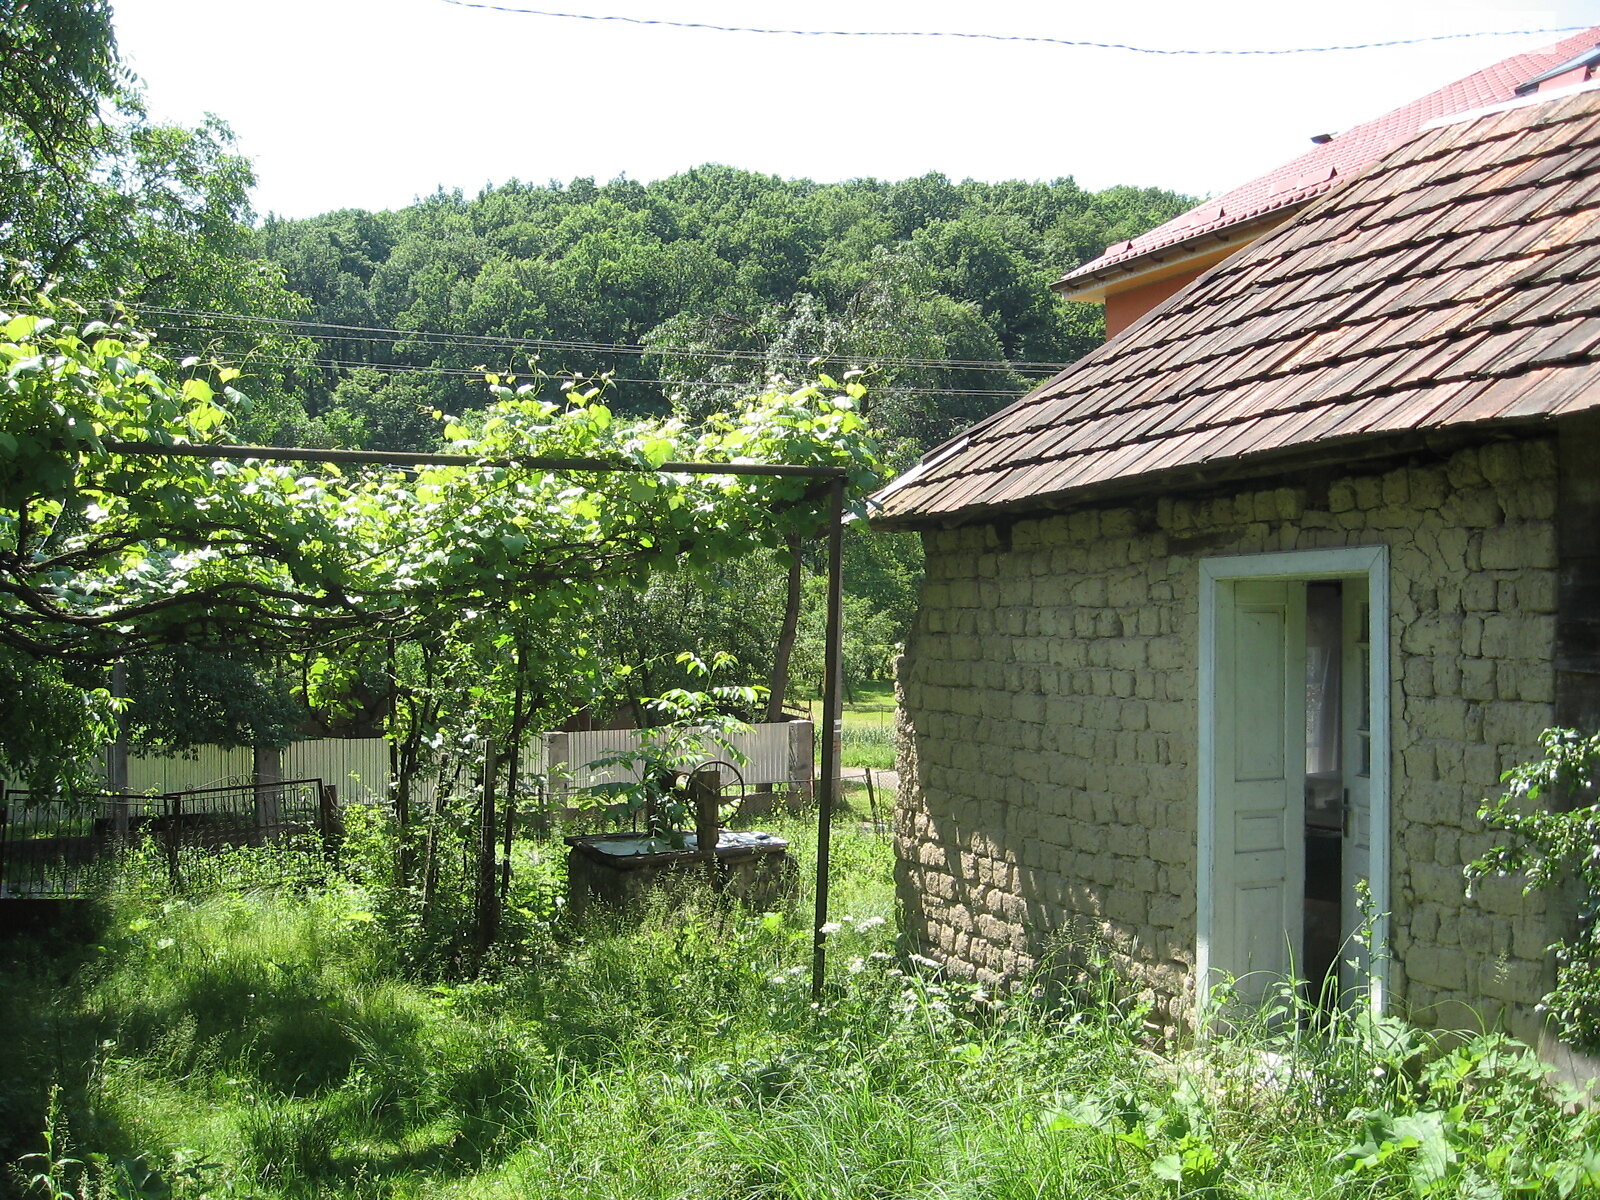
<point x="832" y="731"/>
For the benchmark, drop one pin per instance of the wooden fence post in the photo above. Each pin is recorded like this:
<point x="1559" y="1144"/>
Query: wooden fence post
<point x="705" y="794"/>
<point x="332" y="825"/>
<point x="555" y="761"/>
<point x="170" y="836"/>
<point x="803" y="760"/>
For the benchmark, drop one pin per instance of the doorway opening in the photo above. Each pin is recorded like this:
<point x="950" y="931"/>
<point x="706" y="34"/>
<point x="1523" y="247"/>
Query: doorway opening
<point x="1293" y="804"/>
<point x="1337" y="789"/>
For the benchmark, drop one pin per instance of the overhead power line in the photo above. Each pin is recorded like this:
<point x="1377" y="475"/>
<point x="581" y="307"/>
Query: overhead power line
<point x="1003" y="37"/>
<point x="469" y="373"/>
<point x="314" y="330"/>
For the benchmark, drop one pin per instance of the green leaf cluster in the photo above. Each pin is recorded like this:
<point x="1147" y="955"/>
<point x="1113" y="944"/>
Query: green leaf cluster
<point x="1440" y="1132"/>
<point x="95" y="193"/>
<point x="105" y="552"/>
<point x="1550" y="813"/>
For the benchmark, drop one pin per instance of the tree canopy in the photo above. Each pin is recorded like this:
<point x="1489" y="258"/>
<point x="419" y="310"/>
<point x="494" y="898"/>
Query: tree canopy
<point x="105" y="552"/>
<point x="60" y="61"/>
<point x="727" y="277"/>
<point x="359" y="329"/>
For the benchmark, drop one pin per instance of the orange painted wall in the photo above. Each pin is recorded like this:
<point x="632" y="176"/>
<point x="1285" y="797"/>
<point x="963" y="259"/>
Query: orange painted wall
<point x="1124" y="308"/>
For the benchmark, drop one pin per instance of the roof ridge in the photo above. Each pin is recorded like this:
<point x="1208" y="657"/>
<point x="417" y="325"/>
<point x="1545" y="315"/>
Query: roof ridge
<point x="1532" y="100"/>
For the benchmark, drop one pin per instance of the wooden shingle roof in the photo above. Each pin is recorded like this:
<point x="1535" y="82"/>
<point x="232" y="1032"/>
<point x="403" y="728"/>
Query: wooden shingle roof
<point x="1457" y="280"/>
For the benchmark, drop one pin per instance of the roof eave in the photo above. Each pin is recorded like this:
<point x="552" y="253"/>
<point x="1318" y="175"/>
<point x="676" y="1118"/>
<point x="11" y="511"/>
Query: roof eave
<point x="1365" y="447"/>
<point x="1092" y="286"/>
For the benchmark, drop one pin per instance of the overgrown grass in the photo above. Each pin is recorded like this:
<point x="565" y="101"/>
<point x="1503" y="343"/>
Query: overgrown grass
<point x="867" y="736"/>
<point x="867" y="746"/>
<point x="289" y="1045"/>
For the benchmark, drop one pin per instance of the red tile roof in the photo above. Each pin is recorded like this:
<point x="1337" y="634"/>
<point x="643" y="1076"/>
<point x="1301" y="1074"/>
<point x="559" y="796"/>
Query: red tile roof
<point x="1456" y="281"/>
<point x="1324" y="167"/>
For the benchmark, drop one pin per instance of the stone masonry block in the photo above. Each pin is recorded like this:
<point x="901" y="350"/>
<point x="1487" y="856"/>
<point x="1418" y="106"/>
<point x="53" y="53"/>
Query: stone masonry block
<point x="1118" y="522"/>
<point x="1536" y="591"/>
<point x="1478" y="679"/>
<point x="1418" y="678"/>
<point x="1462" y="470"/>
<point x="1512" y="980"/>
<point x="1439" y="967"/>
<point x="1500" y="462"/>
<point x="1502" y="549"/>
<point x="1428" y="487"/>
<point x="1473" y="510"/>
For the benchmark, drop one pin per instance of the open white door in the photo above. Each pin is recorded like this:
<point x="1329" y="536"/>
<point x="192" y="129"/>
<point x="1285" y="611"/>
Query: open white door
<point x="1258" y="784"/>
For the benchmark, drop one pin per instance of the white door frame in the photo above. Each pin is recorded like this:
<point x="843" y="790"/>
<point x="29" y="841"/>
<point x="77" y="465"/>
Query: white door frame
<point x="1373" y="563"/>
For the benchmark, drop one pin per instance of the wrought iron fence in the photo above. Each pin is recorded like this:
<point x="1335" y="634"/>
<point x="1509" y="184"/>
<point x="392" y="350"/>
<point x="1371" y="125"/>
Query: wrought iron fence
<point x="51" y="847"/>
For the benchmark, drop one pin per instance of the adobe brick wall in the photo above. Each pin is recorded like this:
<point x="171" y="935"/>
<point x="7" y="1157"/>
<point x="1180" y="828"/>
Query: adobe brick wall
<point x="1049" y="723"/>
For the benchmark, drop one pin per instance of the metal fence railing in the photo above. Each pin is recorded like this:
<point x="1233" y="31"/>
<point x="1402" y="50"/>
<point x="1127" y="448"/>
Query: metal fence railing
<point x="52" y="846"/>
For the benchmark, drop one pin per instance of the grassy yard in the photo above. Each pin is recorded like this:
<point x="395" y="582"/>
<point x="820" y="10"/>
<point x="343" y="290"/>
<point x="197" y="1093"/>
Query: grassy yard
<point x="297" y="1045"/>
<point x="868" y="734"/>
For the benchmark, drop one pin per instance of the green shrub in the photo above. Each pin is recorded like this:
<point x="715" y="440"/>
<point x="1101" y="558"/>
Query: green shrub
<point x="1552" y="846"/>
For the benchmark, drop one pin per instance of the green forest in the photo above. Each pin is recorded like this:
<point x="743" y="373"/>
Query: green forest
<point x="666" y="301"/>
<point x="689" y="291"/>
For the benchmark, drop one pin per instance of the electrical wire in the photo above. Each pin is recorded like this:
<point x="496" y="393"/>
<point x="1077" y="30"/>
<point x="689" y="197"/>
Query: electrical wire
<point x="477" y="373"/>
<point x="388" y="333"/>
<point x="1003" y="37"/>
<point x="438" y="370"/>
<point x="357" y="333"/>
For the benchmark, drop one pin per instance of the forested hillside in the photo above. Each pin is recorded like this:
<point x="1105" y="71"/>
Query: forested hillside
<point x="691" y="290"/>
<point x="356" y="328"/>
<point x="691" y="293"/>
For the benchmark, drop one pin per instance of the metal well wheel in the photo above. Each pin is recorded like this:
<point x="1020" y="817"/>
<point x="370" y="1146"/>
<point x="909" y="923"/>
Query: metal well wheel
<point x="731" y="788"/>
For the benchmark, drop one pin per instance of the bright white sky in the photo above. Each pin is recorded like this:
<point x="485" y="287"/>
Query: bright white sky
<point x="371" y="103"/>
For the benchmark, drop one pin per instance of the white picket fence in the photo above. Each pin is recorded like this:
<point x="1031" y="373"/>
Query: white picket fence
<point x="778" y="754"/>
<point x="358" y="767"/>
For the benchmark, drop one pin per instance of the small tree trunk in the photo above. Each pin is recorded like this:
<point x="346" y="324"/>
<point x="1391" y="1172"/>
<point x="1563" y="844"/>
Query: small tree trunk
<point x="268" y="764"/>
<point x="787" y="633"/>
<point x="519" y="731"/>
<point x="488" y="897"/>
<point x="117" y="757"/>
<point x="330" y="822"/>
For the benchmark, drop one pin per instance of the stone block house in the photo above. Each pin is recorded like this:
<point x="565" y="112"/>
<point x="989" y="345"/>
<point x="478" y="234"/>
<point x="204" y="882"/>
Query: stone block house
<point x="1237" y="620"/>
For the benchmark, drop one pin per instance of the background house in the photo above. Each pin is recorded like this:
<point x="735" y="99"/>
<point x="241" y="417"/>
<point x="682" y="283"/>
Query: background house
<point x="1130" y="278"/>
<point x="1247" y="610"/>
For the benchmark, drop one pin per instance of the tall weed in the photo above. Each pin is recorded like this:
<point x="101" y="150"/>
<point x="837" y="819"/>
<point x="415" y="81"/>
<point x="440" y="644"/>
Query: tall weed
<point x="294" y="1044"/>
